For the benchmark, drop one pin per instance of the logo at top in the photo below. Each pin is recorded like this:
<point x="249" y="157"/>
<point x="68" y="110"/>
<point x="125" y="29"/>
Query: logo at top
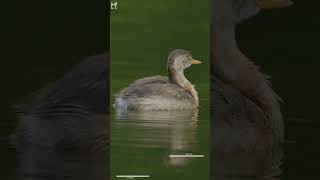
<point x="114" y="5"/>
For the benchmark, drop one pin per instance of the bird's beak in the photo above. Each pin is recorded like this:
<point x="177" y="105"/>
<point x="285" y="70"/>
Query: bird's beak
<point x="270" y="4"/>
<point x="194" y="61"/>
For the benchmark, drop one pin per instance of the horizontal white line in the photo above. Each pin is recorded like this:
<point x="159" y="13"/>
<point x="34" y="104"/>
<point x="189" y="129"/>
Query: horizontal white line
<point x="132" y="176"/>
<point x="186" y="156"/>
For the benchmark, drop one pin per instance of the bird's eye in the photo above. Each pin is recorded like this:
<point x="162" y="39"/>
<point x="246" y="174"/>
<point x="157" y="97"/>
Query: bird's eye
<point x="184" y="62"/>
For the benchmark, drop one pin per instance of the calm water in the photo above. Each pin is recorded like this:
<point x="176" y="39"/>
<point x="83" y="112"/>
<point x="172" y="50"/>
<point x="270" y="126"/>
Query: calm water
<point x="141" y="143"/>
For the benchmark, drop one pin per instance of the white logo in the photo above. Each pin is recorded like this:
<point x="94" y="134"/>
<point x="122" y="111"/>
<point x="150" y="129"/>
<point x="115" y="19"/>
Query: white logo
<point x="114" y="5"/>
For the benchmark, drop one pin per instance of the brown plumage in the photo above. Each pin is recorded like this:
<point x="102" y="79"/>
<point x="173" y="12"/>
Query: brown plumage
<point x="241" y="93"/>
<point x="247" y="125"/>
<point x="69" y="114"/>
<point x="174" y="92"/>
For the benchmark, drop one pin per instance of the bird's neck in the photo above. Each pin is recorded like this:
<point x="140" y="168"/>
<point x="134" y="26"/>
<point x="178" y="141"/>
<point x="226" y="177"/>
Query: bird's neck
<point x="233" y="67"/>
<point x="178" y="78"/>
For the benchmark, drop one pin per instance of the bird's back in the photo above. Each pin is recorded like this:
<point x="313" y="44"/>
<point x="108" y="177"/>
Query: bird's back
<point x="239" y="123"/>
<point x="153" y="93"/>
<point x="68" y="113"/>
<point x="244" y="139"/>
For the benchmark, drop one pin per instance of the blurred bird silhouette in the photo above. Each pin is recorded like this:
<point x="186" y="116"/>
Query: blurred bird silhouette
<point x="247" y="121"/>
<point x="71" y="113"/>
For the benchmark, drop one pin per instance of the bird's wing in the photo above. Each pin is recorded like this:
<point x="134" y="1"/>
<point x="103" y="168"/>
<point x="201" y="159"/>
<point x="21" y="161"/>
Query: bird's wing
<point x="85" y="85"/>
<point x="154" y="86"/>
<point x="238" y="121"/>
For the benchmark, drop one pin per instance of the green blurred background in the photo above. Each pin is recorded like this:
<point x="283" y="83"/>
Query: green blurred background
<point x="142" y="35"/>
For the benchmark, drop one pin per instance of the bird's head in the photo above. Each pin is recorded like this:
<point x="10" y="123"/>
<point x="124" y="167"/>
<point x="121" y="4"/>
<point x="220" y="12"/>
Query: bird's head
<point x="180" y="59"/>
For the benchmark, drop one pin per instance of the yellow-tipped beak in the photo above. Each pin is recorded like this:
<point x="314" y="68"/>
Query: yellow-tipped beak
<point x="194" y="61"/>
<point x="270" y="4"/>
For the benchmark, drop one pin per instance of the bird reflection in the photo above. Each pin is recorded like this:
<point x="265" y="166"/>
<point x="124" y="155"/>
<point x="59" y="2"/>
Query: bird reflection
<point x="171" y="130"/>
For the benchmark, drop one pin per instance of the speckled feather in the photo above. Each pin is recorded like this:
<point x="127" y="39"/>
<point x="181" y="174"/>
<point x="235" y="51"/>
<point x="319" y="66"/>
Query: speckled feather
<point x="140" y="94"/>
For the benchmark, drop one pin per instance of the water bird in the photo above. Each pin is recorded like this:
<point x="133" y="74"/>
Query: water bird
<point x="70" y="114"/>
<point x="246" y="116"/>
<point x="174" y="92"/>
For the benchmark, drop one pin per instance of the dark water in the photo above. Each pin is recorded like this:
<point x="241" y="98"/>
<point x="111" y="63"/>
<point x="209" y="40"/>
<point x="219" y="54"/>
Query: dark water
<point x="42" y="163"/>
